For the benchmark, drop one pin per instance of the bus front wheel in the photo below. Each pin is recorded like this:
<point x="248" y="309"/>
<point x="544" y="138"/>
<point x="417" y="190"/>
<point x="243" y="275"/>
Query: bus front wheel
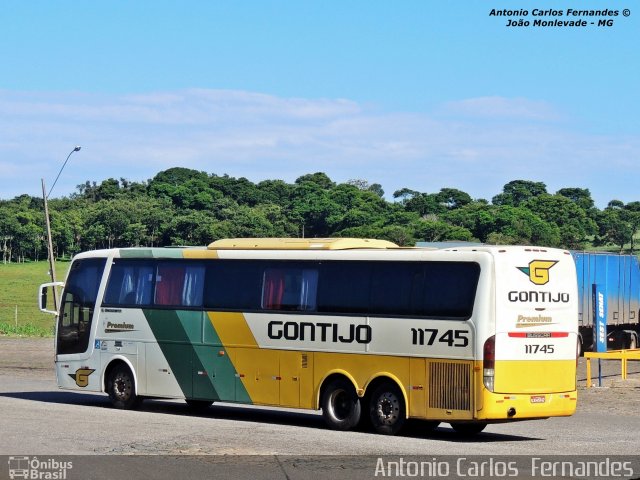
<point x="387" y="409"/>
<point x="340" y="405"/>
<point x="121" y="388"/>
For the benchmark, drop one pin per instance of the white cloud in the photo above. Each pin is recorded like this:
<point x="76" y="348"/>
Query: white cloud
<point x="476" y="145"/>
<point x="503" y="108"/>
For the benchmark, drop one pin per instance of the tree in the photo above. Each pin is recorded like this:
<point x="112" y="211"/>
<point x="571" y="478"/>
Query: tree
<point x="318" y="178"/>
<point x="633" y="215"/>
<point x="613" y="228"/>
<point x="195" y="228"/>
<point x="453" y="198"/>
<point x="9" y="227"/>
<point x="239" y="189"/>
<point x="108" y="189"/>
<point x="579" y="196"/>
<point x="517" y="192"/>
<point x="364" y="185"/>
<point x="618" y="224"/>
<point x="177" y="176"/>
<point x="572" y="221"/>
<point x="376" y="189"/>
<point x="405" y="194"/>
<point x="314" y="208"/>
<point x="276" y="191"/>
<point x="516" y="225"/>
<point x="437" y="231"/>
<point x="425" y="204"/>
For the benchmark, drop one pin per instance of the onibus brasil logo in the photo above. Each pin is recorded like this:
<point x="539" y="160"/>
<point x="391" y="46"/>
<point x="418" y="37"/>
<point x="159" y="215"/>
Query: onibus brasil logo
<point x="538" y="271"/>
<point x="41" y="469"/>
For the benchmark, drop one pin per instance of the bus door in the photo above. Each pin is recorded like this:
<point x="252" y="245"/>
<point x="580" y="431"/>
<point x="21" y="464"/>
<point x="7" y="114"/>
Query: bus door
<point x="75" y="319"/>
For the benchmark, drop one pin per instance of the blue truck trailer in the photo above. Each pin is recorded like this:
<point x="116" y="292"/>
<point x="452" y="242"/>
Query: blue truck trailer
<point x="620" y="277"/>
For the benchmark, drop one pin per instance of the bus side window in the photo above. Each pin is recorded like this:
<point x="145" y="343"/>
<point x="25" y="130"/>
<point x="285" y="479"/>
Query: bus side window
<point x="233" y="285"/>
<point x="392" y="285"/>
<point x="345" y="287"/>
<point x="130" y="283"/>
<point x="450" y="289"/>
<point x="169" y="284"/>
<point x="289" y="288"/>
<point x="193" y="287"/>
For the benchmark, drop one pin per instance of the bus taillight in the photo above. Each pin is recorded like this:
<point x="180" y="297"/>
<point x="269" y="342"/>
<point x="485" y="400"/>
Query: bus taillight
<point x="488" y="362"/>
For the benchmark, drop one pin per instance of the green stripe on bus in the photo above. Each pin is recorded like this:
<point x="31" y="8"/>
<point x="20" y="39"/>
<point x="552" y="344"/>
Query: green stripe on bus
<point x="175" y="334"/>
<point x="151" y="253"/>
<point x="226" y="376"/>
<point x="200" y="364"/>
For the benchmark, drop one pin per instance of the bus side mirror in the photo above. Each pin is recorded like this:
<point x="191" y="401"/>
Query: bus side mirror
<point x="43" y="296"/>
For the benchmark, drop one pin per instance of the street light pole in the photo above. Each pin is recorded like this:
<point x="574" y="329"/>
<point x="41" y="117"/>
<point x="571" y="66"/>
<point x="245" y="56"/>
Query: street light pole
<point x="76" y="149"/>
<point x="52" y="269"/>
<point x="45" y="196"/>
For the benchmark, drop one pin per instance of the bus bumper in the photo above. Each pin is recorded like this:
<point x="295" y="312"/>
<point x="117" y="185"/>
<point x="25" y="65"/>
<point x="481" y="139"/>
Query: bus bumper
<point x="501" y="407"/>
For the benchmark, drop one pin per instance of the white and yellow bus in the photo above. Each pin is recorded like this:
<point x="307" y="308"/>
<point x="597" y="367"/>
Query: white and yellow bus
<point x="368" y="332"/>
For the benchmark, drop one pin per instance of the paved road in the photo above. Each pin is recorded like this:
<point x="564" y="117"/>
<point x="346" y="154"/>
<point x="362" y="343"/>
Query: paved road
<point x="38" y="419"/>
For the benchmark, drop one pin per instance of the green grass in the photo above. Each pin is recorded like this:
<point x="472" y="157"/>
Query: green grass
<point x="19" y="293"/>
<point x="26" y="330"/>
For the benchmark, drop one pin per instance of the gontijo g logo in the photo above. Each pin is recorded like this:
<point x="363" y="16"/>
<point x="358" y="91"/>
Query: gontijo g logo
<point x="538" y="271"/>
<point x="82" y="376"/>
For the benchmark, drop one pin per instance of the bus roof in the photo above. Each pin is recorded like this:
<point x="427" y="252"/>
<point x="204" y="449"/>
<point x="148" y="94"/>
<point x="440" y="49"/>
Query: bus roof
<point x="299" y="244"/>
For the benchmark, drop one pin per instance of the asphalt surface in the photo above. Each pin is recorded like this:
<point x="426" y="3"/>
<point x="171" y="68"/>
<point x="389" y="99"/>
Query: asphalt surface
<point x="40" y="420"/>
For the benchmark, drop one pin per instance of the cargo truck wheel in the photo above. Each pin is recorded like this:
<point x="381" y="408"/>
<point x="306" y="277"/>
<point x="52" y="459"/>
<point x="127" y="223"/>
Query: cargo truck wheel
<point x="121" y="388"/>
<point x="340" y="405"/>
<point x="579" y="348"/>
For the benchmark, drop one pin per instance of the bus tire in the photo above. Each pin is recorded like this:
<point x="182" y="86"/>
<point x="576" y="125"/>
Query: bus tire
<point x="387" y="409"/>
<point x="121" y="388"/>
<point x="468" y="429"/>
<point x="341" y="407"/>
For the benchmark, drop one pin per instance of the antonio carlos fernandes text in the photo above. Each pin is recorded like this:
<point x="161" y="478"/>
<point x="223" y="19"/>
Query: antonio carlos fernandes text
<point x="535" y="467"/>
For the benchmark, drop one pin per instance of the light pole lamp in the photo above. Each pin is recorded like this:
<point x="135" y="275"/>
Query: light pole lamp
<point x="45" y="196"/>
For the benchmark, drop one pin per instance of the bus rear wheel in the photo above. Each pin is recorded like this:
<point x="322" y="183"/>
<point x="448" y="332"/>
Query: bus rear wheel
<point x="121" y="388"/>
<point x="468" y="429"/>
<point x="340" y="405"/>
<point x="387" y="409"/>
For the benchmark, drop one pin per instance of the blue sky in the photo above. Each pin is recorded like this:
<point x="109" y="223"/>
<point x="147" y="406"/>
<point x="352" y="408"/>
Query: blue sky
<point x="417" y="94"/>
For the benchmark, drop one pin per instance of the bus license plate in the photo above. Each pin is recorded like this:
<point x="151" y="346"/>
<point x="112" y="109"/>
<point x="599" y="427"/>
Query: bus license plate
<point x="538" y="398"/>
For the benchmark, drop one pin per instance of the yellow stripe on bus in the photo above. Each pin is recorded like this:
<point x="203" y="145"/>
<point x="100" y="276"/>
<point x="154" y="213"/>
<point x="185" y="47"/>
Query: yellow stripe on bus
<point x="198" y="253"/>
<point x="232" y="328"/>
